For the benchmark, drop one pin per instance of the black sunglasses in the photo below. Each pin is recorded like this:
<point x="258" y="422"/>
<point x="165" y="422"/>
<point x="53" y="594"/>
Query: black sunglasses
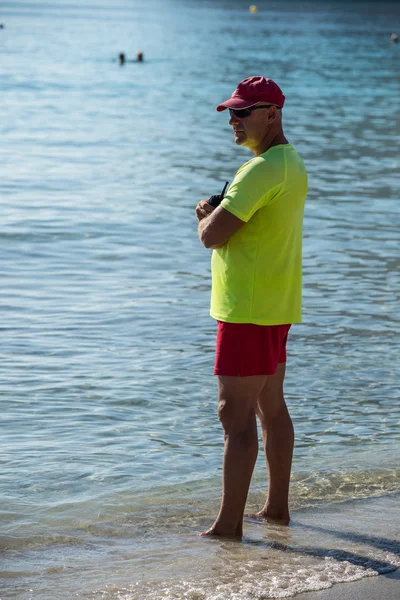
<point x="246" y="112"/>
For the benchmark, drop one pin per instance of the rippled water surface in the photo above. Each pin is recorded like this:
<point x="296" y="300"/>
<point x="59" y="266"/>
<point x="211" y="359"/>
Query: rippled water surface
<point x="110" y="447"/>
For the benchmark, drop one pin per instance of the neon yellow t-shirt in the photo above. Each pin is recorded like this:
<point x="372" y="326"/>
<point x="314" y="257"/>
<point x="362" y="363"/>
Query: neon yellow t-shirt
<point x="256" y="275"/>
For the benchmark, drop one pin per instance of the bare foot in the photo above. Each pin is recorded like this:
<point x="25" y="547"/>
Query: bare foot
<point x="263" y="515"/>
<point x="214" y="531"/>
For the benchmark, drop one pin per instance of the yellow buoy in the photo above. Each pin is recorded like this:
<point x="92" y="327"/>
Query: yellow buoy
<point x="253" y="8"/>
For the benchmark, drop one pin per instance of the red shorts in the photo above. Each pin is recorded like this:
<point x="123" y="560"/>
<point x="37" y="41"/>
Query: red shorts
<point x="245" y="349"/>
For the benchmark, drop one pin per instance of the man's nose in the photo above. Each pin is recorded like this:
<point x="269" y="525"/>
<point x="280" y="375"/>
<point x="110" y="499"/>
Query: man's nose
<point x="233" y="119"/>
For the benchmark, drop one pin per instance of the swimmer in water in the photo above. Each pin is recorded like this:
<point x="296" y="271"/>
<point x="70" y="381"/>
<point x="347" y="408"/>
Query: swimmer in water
<point x="122" y="58"/>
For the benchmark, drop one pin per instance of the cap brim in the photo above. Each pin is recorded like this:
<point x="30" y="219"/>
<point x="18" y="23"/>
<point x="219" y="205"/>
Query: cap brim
<point x="237" y="103"/>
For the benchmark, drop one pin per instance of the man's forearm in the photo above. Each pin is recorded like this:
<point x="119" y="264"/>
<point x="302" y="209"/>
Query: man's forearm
<point x="216" y="227"/>
<point x="202" y="226"/>
<point x="204" y="229"/>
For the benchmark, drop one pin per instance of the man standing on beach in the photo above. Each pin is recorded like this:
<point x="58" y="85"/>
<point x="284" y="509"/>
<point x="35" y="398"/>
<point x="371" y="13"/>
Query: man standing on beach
<point x="256" y="237"/>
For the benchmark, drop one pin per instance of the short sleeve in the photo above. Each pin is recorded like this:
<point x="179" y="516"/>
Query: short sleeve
<point x="255" y="185"/>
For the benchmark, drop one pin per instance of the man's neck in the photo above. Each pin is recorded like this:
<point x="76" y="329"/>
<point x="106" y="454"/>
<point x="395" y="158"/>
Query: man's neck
<point x="273" y="139"/>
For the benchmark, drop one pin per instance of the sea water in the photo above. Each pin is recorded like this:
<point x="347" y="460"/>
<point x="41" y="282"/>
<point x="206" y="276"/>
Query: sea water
<point x="110" y="445"/>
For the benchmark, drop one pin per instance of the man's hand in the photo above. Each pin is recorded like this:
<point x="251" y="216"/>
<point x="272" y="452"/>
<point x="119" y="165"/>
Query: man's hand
<point x="203" y="209"/>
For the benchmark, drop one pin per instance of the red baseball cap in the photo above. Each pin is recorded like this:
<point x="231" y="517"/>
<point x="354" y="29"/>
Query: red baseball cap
<point x="253" y="90"/>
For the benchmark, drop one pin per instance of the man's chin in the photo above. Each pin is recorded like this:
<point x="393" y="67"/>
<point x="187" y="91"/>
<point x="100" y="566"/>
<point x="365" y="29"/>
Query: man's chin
<point x="239" y="140"/>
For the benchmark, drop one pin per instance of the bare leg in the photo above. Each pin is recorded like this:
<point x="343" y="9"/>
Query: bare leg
<point x="278" y="438"/>
<point x="237" y="402"/>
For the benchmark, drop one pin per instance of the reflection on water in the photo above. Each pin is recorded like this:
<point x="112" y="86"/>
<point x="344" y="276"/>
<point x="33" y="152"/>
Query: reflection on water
<point x="107" y="346"/>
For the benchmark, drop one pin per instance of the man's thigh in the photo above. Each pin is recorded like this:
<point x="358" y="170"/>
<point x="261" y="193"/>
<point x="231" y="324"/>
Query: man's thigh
<point x="240" y="394"/>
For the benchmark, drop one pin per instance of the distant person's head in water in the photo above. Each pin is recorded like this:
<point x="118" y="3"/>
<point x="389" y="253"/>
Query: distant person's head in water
<point x="123" y="59"/>
<point x="394" y="38"/>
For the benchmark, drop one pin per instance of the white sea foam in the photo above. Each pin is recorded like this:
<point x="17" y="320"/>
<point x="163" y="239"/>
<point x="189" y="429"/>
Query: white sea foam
<point x="322" y="547"/>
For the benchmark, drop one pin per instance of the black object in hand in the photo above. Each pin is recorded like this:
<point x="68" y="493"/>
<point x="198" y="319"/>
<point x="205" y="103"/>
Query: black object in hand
<point x="217" y="199"/>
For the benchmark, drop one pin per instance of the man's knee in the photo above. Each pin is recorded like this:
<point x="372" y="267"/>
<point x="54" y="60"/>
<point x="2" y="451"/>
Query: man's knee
<point x="230" y="415"/>
<point x="271" y="406"/>
<point x="226" y="414"/>
<point x="238" y="423"/>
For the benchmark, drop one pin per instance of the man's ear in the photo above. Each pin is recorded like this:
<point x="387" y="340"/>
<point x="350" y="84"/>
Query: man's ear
<point x="272" y="113"/>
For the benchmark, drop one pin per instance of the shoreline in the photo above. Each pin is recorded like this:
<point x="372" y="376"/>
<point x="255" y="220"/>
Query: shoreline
<point x="385" y="586"/>
<point x="335" y="552"/>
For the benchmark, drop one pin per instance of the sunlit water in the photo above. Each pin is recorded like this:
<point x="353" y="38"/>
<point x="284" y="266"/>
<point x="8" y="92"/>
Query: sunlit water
<point x="111" y="449"/>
